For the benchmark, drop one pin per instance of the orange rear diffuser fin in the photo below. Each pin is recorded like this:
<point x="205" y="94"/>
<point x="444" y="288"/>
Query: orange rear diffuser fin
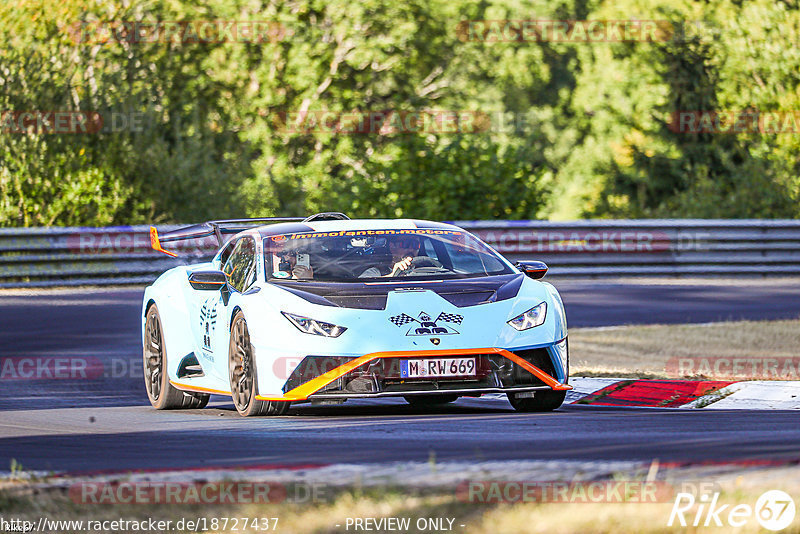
<point x="156" y="244"/>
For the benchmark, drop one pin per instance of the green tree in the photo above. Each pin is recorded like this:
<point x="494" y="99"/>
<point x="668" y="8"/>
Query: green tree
<point x="158" y="156"/>
<point x="658" y="170"/>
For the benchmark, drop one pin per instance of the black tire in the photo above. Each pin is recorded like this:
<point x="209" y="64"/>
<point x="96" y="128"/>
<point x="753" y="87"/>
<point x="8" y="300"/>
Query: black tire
<point x="542" y="401"/>
<point x="427" y="401"/>
<point x="162" y="394"/>
<point x="242" y="374"/>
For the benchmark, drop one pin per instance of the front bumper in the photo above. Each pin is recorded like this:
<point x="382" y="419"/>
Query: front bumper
<point x="374" y="375"/>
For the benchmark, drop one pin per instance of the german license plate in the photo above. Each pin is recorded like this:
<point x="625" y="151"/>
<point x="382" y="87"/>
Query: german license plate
<point x="438" y="368"/>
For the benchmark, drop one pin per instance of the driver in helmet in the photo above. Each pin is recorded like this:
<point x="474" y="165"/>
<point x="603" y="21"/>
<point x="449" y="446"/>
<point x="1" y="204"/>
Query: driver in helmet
<point x="403" y="248"/>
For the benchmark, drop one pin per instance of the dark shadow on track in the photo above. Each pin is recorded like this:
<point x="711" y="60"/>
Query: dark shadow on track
<point x="367" y="434"/>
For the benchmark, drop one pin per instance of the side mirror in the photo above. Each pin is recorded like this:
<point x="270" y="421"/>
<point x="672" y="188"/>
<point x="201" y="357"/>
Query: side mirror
<point x="532" y="269"/>
<point x="208" y="280"/>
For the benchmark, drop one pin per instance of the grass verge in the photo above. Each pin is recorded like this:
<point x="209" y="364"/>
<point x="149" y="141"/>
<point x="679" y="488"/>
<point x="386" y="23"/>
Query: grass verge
<point x="645" y="351"/>
<point x="331" y="514"/>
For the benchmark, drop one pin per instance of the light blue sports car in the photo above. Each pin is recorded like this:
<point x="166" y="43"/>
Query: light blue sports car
<point x="326" y="309"/>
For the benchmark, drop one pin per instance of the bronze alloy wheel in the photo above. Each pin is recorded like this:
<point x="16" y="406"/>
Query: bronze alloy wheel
<point x="243" y="376"/>
<point x="162" y="394"/>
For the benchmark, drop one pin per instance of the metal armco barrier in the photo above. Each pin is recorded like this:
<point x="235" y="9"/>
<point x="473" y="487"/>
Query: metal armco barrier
<point x="51" y="257"/>
<point x="657" y="247"/>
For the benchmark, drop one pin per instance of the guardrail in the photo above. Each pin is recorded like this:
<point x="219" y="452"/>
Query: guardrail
<point x="657" y="247"/>
<point x="67" y="256"/>
<point x="45" y="257"/>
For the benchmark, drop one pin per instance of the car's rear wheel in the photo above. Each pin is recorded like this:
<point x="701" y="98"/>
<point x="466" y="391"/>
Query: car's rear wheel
<point x="425" y="401"/>
<point x="542" y="401"/>
<point x="242" y="373"/>
<point x="162" y="394"/>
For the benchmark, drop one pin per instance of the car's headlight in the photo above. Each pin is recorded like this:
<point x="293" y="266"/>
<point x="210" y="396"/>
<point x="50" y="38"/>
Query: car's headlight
<point x="312" y="326"/>
<point x="529" y="319"/>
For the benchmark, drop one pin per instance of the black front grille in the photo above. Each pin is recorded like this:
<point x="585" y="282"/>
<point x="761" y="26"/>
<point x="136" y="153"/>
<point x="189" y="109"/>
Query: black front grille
<point x="538" y="358"/>
<point x="313" y="366"/>
<point x="511" y="374"/>
<point x="383" y="374"/>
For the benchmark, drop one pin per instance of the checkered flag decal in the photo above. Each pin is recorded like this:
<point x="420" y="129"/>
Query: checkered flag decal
<point x="450" y="318"/>
<point x="400" y="320"/>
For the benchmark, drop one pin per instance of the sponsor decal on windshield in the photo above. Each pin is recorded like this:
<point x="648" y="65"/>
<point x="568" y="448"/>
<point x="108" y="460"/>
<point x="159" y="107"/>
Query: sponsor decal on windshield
<point x="354" y="233"/>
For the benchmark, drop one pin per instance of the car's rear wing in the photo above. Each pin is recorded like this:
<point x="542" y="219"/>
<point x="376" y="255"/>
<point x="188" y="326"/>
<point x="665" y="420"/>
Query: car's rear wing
<point x="227" y="226"/>
<point x="216" y="228"/>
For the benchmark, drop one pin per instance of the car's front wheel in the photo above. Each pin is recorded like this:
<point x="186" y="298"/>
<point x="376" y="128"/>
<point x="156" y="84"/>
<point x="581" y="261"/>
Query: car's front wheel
<point x="542" y="401"/>
<point x="162" y="394"/>
<point x="242" y="373"/>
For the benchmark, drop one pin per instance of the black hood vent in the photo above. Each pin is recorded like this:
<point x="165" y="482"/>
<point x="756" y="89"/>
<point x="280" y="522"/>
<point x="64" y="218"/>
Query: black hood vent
<point x="461" y="299"/>
<point x="461" y="292"/>
<point x="360" y="302"/>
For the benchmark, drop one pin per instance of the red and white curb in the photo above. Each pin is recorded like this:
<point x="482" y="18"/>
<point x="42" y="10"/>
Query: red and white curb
<point x="706" y="394"/>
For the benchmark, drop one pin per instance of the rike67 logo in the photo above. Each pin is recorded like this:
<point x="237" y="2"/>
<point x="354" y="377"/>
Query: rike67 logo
<point x="774" y="510"/>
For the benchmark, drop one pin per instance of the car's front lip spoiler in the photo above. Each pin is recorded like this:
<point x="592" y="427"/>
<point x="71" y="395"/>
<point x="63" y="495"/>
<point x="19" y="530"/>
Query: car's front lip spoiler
<point x="467" y="392"/>
<point x="307" y="389"/>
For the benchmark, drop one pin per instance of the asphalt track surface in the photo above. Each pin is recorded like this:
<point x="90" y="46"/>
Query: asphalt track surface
<point x="106" y="423"/>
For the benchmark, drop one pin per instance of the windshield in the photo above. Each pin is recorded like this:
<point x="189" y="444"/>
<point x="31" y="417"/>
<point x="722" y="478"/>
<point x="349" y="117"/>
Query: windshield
<point x="379" y="255"/>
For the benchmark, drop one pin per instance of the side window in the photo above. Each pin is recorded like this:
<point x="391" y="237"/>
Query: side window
<point x="241" y="265"/>
<point x="427" y="249"/>
<point x="225" y="253"/>
<point x="436" y="250"/>
<point x="472" y="262"/>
